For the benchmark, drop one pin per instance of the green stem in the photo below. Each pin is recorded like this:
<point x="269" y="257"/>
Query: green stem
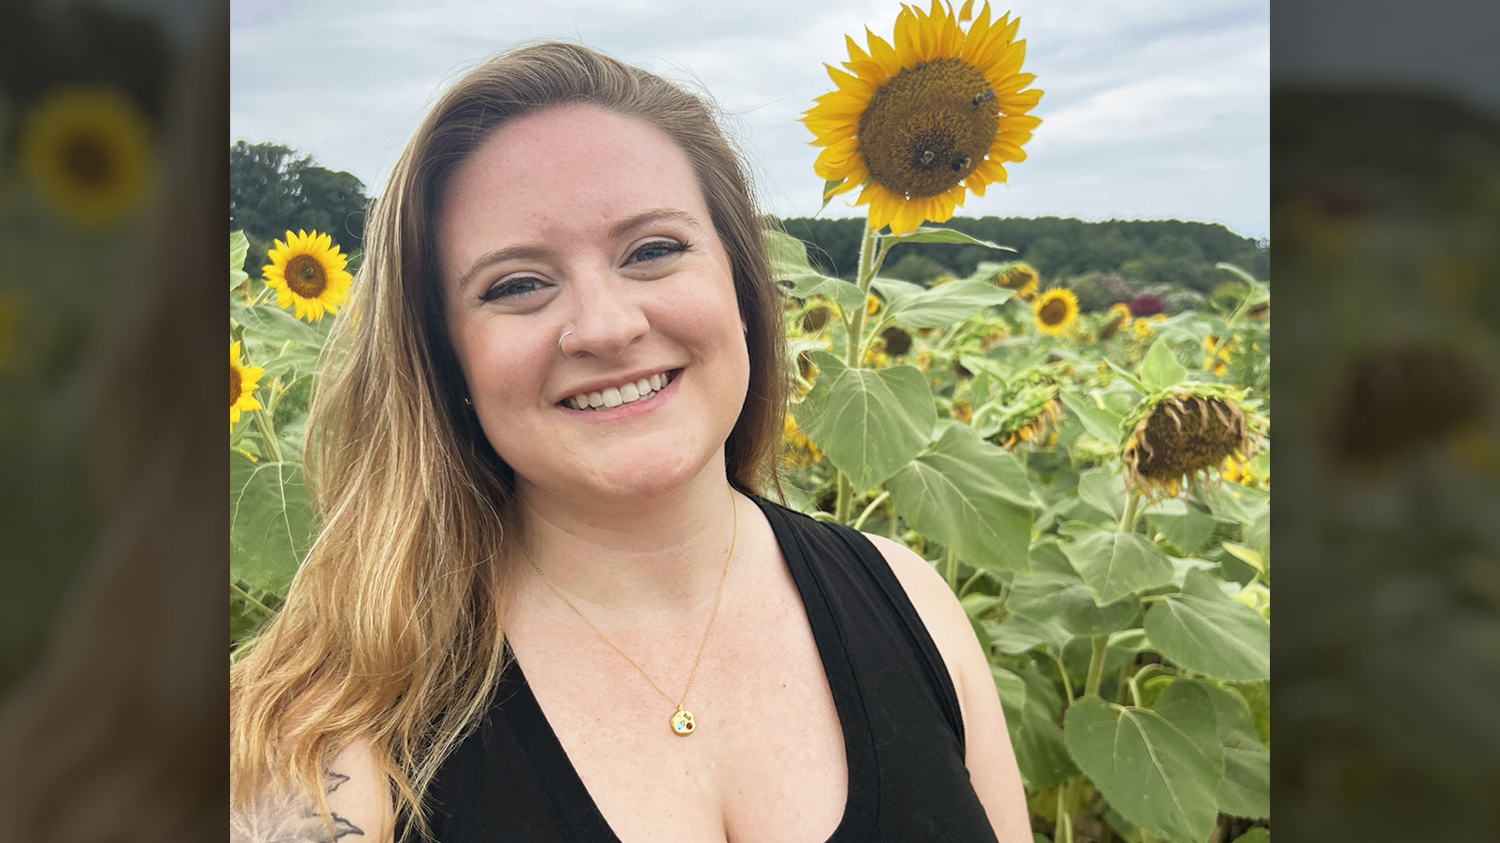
<point x="1132" y="513"/>
<point x="863" y="516"/>
<point x="845" y="500"/>
<point x="968" y="584"/>
<point x="950" y="565"/>
<point x="895" y="528"/>
<point x="1096" y="665"/>
<point x="853" y="346"/>
<point x="254" y="604"/>
<point x="1063" y="672"/>
<point x="1064" y="819"/>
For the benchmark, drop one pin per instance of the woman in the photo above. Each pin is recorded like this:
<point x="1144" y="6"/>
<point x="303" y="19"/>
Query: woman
<point x="548" y="602"/>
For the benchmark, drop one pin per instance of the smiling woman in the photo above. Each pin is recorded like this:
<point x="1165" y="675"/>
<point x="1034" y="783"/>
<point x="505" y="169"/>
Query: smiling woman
<point x="549" y="600"/>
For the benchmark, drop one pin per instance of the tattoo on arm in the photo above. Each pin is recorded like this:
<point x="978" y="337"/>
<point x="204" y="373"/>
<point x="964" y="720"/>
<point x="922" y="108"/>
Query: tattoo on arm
<point x="291" y="820"/>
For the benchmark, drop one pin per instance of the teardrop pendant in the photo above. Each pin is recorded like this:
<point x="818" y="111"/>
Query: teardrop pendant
<point x="682" y="722"/>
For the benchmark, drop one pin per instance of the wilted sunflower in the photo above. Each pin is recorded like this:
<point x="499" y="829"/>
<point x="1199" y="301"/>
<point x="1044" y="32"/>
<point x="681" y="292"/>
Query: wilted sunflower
<point x="1021" y="277"/>
<point x="307" y="271"/>
<point x="1117" y="317"/>
<point x="919" y="123"/>
<point x="1055" y="311"/>
<point x="89" y="151"/>
<point x="242" y="383"/>
<point x="1184" y="435"/>
<point x="1037" y="425"/>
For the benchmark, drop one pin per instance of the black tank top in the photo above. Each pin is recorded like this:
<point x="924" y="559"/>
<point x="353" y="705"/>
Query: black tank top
<point x="511" y="782"/>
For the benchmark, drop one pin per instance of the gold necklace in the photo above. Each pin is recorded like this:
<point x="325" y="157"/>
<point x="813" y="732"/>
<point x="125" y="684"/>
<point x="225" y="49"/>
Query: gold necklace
<point x="682" y="720"/>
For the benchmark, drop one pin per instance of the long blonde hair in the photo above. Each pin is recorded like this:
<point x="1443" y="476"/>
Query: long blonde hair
<point x="392" y="630"/>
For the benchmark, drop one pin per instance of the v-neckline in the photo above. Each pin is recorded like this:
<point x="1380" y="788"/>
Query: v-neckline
<point x="577" y="805"/>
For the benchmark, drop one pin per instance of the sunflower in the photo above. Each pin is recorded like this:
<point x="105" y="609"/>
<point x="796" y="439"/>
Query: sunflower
<point x="797" y="451"/>
<point x="307" y="271"/>
<point x="919" y="123"/>
<point x="89" y="152"/>
<point x="1187" y="433"/>
<point x="1037" y="422"/>
<point x="242" y="382"/>
<point x="1055" y="311"/>
<point x="1020" y="277"/>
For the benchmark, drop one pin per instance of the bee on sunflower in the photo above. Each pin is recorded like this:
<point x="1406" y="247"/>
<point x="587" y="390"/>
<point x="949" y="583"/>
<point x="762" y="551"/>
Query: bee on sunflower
<point x="1055" y="311"/>
<point x="1183" y="436"/>
<point x="919" y="124"/>
<point x="307" y="273"/>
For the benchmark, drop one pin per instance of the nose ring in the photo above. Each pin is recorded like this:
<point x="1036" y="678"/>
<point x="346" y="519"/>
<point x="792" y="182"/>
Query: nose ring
<point x="564" y="353"/>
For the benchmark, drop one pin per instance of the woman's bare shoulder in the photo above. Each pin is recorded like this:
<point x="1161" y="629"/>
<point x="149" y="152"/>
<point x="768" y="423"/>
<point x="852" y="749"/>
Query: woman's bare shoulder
<point x="358" y="800"/>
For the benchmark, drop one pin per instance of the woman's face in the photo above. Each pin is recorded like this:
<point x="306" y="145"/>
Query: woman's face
<point x="578" y="221"/>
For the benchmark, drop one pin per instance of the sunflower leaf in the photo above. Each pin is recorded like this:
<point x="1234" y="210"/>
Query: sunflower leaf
<point x="869" y="423"/>
<point x="1115" y="564"/>
<point x="939" y="307"/>
<point x="239" y="247"/>
<point x="1160" y="370"/>
<point x="1204" y="630"/>
<point x="789" y="266"/>
<point x="1158" y="767"/>
<point x="971" y="496"/>
<point x="1128" y="377"/>
<point x="1245" y="790"/>
<point x="1101" y="422"/>
<point x="270" y="522"/>
<point x="830" y="190"/>
<point x="1049" y="594"/>
<point x="928" y="234"/>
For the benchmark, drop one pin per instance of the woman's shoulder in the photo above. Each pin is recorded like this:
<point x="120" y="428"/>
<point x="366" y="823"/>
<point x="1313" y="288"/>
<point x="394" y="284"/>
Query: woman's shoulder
<point x="359" y="804"/>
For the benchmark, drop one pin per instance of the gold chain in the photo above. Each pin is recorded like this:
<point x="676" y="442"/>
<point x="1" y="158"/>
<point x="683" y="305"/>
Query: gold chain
<point x="733" y="539"/>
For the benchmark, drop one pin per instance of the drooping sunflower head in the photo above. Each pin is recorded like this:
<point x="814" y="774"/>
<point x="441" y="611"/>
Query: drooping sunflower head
<point x="89" y="152"/>
<point x="1033" y="421"/>
<point x="1020" y="277"/>
<point x="242" y="383"/>
<point x="1055" y="311"/>
<point x="307" y="273"/>
<point x="1185" y="435"/>
<point x="920" y="124"/>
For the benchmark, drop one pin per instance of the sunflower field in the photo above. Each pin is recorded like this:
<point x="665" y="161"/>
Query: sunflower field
<point x="1093" y="486"/>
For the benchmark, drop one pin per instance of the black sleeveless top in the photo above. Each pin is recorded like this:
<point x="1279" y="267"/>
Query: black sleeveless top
<point x="511" y="782"/>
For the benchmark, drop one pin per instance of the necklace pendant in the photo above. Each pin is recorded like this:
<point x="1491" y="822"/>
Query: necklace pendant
<point x="682" y="722"/>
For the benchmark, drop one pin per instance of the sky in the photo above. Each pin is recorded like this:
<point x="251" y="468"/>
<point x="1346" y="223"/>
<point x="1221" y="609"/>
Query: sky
<point x="1154" y="109"/>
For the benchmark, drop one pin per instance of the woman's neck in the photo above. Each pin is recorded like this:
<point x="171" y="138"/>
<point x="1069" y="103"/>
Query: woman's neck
<point x="665" y="552"/>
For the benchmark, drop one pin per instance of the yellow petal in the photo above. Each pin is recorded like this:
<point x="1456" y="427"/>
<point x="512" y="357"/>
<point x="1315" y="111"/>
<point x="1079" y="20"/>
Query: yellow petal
<point x="883" y="54"/>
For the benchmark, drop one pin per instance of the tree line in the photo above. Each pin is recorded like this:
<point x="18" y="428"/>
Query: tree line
<point x="273" y="188"/>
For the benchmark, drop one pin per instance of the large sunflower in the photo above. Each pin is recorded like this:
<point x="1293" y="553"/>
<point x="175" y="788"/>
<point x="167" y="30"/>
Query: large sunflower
<point x="242" y="383"/>
<point x="1055" y="311"/>
<point x="919" y="123"/>
<point x="307" y="271"/>
<point x="89" y="152"/>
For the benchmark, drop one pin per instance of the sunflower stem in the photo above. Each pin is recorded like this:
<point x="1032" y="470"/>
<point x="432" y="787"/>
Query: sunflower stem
<point x="1096" y="665"/>
<point x="950" y="566"/>
<point x="1132" y="513"/>
<point x="845" y="500"/>
<point x="969" y="583"/>
<point x="1064" y="819"/>
<point x="863" y="516"/>
<point x="854" y="347"/>
<point x="254" y="604"/>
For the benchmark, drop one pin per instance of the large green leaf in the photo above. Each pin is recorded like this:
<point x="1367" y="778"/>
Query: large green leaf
<point x="1158" y="767"/>
<point x="929" y="234"/>
<point x="1254" y="835"/>
<point x="1048" y="595"/>
<point x="1104" y="489"/>
<point x="239" y="246"/>
<point x="1245" y="790"/>
<point x="939" y="307"/>
<point x="1012" y="691"/>
<point x="270" y="522"/>
<point x="972" y="497"/>
<point x="1041" y="752"/>
<point x="1187" y="532"/>
<point x="1021" y="635"/>
<point x="869" y="422"/>
<point x="1101" y="422"/>
<point x="1114" y="564"/>
<point x="1160" y="369"/>
<point x="789" y="265"/>
<point x="1202" y="629"/>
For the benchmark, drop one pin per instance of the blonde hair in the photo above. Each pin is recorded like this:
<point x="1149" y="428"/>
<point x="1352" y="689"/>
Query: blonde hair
<point x="392" y="630"/>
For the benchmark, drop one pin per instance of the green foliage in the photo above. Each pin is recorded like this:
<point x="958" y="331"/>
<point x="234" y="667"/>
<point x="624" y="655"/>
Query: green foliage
<point x="273" y="190"/>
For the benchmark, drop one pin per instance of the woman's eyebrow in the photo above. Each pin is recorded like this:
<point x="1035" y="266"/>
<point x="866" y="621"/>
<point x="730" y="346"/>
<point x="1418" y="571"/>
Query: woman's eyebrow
<point x="499" y="256"/>
<point x="649" y="216"/>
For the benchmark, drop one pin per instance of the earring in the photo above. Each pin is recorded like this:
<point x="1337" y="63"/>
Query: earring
<point x="467" y="402"/>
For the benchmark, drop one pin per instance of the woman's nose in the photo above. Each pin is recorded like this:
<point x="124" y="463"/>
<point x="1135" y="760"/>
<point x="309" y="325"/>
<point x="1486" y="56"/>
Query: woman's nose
<point x="608" y="316"/>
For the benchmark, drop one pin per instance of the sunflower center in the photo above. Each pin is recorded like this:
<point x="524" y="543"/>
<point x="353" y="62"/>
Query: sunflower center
<point x="87" y="161"/>
<point x="929" y="127"/>
<point x="1189" y="436"/>
<point x="1054" y="312"/>
<point x="234" y="385"/>
<point x="305" y="276"/>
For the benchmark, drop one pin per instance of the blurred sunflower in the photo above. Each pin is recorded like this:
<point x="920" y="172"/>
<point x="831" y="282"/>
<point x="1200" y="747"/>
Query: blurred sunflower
<point x="1038" y="424"/>
<point x="307" y="272"/>
<point x="1187" y="434"/>
<point x="242" y="383"/>
<point x="89" y="152"/>
<point x="918" y="124"/>
<point x="1217" y="354"/>
<point x="1055" y="311"/>
<point x="1021" y="277"/>
<point x="798" y="451"/>
<point x="1115" y="319"/>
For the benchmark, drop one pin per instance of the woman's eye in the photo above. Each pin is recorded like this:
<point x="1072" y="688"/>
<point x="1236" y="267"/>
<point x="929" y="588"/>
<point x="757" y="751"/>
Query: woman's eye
<point x="656" y="250"/>
<point x="512" y="288"/>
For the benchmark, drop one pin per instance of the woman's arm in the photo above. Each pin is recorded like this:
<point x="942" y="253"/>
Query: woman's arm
<point x="357" y="798"/>
<point x="990" y="758"/>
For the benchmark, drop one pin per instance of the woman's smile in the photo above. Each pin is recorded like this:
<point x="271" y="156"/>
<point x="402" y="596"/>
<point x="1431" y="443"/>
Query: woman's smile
<point x="628" y="393"/>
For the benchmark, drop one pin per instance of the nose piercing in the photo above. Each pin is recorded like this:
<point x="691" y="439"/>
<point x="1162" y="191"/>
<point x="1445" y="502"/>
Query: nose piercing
<point x="564" y="353"/>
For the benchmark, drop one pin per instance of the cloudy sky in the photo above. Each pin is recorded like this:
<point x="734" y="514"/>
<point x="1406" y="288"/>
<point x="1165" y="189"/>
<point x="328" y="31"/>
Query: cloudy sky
<point x="1153" y="109"/>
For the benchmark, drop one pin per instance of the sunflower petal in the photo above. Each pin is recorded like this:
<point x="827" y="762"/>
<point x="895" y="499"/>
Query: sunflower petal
<point x="883" y="54"/>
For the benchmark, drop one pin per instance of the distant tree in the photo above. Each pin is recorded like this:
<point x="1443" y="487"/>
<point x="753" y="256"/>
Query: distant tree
<point x="273" y="190"/>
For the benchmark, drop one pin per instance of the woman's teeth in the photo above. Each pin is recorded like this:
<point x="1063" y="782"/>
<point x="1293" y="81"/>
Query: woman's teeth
<point x="615" y="396"/>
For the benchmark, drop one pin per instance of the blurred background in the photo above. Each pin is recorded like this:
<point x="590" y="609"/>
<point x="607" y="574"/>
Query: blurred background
<point x="1385" y="205"/>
